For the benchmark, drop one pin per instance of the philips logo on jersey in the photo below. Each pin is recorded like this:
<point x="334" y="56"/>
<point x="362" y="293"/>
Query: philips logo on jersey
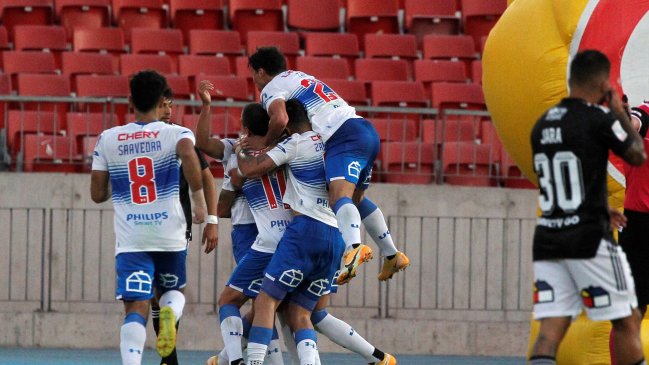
<point x="137" y="135"/>
<point x="279" y="223"/>
<point x="323" y="202"/>
<point x="147" y="219"/>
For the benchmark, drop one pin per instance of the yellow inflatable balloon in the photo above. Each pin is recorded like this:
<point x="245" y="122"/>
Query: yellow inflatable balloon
<point x="526" y="57"/>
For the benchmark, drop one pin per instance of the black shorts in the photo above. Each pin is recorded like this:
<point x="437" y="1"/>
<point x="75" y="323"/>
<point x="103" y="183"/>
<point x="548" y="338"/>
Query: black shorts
<point x="635" y="242"/>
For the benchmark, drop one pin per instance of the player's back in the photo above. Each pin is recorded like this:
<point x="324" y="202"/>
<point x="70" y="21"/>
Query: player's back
<point x="265" y="198"/>
<point x="327" y="111"/>
<point x="144" y="173"/>
<point x="570" y="144"/>
<point x="306" y="190"/>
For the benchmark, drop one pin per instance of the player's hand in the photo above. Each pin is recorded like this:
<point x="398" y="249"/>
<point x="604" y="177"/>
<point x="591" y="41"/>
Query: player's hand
<point x="618" y="220"/>
<point x="210" y="237"/>
<point x="200" y="212"/>
<point x="615" y="103"/>
<point x="236" y="179"/>
<point x="204" y="89"/>
<point x="254" y="143"/>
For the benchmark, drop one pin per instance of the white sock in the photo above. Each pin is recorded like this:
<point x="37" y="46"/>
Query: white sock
<point x="274" y="353"/>
<point x="342" y="334"/>
<point x="223" y="358"/>
<point x="349" y="222"/>
<point x="317" y="359"/>
<point x="132" y="337"/>
<point x="232" y="330"/>
<point x="289" y="340"/>
<point x="307" y="350"/>
<point x="175" y="300"/>
<point x="256" y="353"/>
<point x="378" y="230"/>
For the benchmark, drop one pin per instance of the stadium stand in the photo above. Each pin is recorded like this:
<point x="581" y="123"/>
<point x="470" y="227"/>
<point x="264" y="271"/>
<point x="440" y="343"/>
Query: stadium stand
<point x="72" y="14"/>
<point x="129" y="14"/>
<point x="26" y="12"/>
<point x="101" y="40"/>
<point x="424" y="17"/>
<point x="313" y="15"/>
<point x="188" y="15"/>
<point x="324" y="67"/>
<point x="364" y="17"/>
<point x="44" y="38"/>
<point x="82" y="63"/>
<point x="256" y="15"/>
<point x="288" y="43"/>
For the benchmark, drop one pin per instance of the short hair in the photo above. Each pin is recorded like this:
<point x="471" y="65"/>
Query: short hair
<point x="255" y="118"/>
<point x="268" y="58"/>
<point x="588" y="66"/>
<point x="147" y="88"/>
<point x="168" y="93"/>
<point x="297" y="114"/>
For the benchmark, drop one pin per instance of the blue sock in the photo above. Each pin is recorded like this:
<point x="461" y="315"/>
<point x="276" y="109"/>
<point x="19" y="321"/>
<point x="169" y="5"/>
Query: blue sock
<point x="305" y="334"/>
<point x="366" y="207"/>
<point x="318" y="316"/>
<point x="135" y="317"/>
<point x="275" y="334"/>
<point x="342" y="201"/>
<point x="246" y="327"/>
<point x="261" y="335"/>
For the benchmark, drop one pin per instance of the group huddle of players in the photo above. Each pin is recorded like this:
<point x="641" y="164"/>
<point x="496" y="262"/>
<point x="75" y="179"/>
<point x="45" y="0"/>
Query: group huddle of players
<point x="294" y="190"/>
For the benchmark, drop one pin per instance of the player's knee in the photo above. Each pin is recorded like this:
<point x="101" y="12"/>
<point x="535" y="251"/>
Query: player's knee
<point x="230" y="296"/>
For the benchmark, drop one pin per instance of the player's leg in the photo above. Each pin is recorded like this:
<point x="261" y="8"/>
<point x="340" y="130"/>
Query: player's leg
<point x="634" y="244"/>
<point x="261" y="332"/>
<point x="306" y="339"/>
<point x="627" y="340"/>
<point x="287" y="335"/>
<point x="171" y="277"/>
<point x="134" y="287"/>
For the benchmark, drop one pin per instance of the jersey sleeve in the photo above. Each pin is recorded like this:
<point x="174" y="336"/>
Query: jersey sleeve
<point x="227" y="184"/>
<point x="185" y="133"/>
<point x="274" y="90"/>
<point x="228" y="149"/>
<point x="284" y="152"/>
<point x="613" y="134"/>
<point x="201" y="159"/>
<point x="98" y="156"/>
<point x="642" y="114"/>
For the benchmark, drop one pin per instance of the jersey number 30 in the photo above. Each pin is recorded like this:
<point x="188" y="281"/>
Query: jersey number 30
<point x="142" y="178"/>
<point x="560" y="178"/>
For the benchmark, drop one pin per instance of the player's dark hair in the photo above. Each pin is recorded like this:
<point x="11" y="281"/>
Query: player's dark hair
<point x="147" y="88"/>
<point x="168" y="93"/>
<point x="255" y="118"/>
<point x="588" y="67"/>
<point x="297" y="115"/>
<point x="268" y="58"/>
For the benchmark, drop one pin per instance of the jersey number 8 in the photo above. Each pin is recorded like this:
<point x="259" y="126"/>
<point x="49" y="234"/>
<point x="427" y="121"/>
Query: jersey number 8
<point x="142" y="178"/>
<point x="562" y="178"/>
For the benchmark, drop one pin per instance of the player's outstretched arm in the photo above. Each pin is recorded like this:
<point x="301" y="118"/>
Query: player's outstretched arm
<point x="278" y="121"/>
<point x="192" y="171"/>
<point x="224" y="206"/>
<point x="99" y="186"/>
<point x="211" y="231"/>
<point x="254" y="166"/>
<point x="213" y="147"/>
<point x="635" y="154"/>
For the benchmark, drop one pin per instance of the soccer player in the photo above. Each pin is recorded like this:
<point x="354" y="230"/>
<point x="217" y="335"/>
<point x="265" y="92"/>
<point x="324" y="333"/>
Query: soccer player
<point x="576" y="260"/>
<point x="351" y="143"/>
<point x="210" y="232"/>
<point x="306" y="270"/>
<point x="141" y="162"/>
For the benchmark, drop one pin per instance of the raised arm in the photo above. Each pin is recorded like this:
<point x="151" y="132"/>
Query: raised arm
<point x="211" y="146"/>
<point x="635" y="154"/>
<point x="192" y="171"/>
<point x="278" y="121"/>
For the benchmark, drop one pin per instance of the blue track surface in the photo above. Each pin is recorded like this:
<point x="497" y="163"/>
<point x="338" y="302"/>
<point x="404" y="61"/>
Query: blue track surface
<point x="12" y="356"/>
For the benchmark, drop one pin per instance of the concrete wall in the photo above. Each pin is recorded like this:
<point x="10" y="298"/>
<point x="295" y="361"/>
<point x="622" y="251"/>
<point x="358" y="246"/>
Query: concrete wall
<point x="468" y="290"/>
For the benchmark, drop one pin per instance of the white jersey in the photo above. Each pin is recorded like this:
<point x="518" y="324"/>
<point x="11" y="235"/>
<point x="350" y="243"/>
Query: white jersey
<point x="306" y="190"/>
<point x="144" y="173"/>
<point x="271" y="215"/>
<point x="240" y="210"/>
<point x="326" y="110"/>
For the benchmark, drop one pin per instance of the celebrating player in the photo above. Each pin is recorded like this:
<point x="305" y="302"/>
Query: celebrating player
<point x="307" y="257"/>
<point x="576" y="261"/>
<point x="352" y="145"/>
<point x="141" y="161"/>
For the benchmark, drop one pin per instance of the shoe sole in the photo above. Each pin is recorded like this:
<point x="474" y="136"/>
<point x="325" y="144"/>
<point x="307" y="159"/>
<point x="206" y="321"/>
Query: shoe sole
<point x="345" y="277"/>
<point x="166" y="341"/>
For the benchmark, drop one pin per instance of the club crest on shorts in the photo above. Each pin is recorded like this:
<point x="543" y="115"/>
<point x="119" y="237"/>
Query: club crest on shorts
<point x="139" y="282"/>
<point x="354" y="169"/>
<point x="291" y="278"/>
<point x="168" y="280"/>
<point x="595" y="297"/>
<point x="543" y="292"/>
<point x="255" y="285"/>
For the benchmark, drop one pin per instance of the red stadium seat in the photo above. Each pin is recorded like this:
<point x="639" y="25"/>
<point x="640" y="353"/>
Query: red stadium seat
<point x="26" y="12"/>
<point x="5" y="89"/>
<point x="431" y="17"/>
<point x="512" y="175"/>
<point x="408" y="162"/>
<point x="191" y="65"/>
<point x="131" y="63"/>
<point x="45" y="85"/>
<point x="368" y="69"/>
<point x="82" y="63"/>
<point x="82" y="125"/>
<point x="314" y="15"/>
<point x="476" y="71"/>
<point x="479" y="16"/>
<point x="129" y="14"/>
<point x="395" y="46"/>
<point x="23" y="122"/>
<point x="82" y="14"/>
<point x="467" y="163"/>
<point x="354" y="92"/>
<point x="4" y="42"/>
<point x="449" y="130"/>
<point x="101" y="40"/>
<point x="229" y="88"/>
<point x="158" y="41"/>
<point x="242" y="70"/>
<point x="45" y="38"/>
<point x="449" y="47"/>
<point x="405" y="94"/>
<point x="187" y="15"/>
<point x="372" y="17"/>
<point x="458" y="96"/>
<point x="218" y="43"/>
<point x="288" y="43"/>
<point x="395" y="130"/>
<point x="16" y="62"/>
<point x="49" y="153"/>
<point x="221" y="125"/>
<point x="324" y="67"/>
<point x="256" y="15"/>
<point x="182" y="90"/>
<point x="337" y="45"/>
<point x="432" y="71"/>
<point x="104" y="86"/>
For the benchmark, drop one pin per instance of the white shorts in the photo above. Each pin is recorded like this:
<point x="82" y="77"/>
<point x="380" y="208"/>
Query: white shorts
<point x="603" y="285"/>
